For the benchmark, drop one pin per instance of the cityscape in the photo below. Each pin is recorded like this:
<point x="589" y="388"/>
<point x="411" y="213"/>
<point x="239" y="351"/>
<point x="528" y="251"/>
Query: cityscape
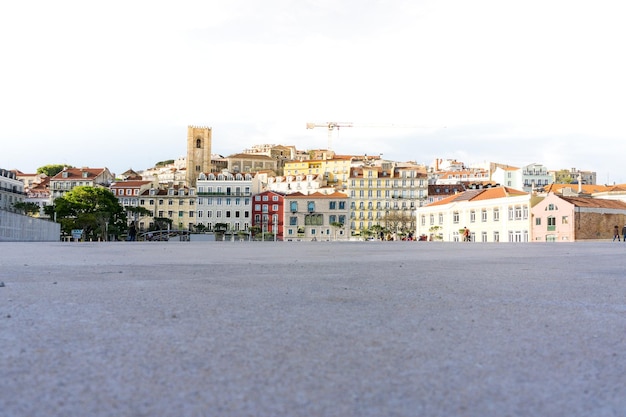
<point x="278" y="192"/>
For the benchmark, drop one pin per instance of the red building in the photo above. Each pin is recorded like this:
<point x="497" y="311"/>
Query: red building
<point x="267" y="212"/>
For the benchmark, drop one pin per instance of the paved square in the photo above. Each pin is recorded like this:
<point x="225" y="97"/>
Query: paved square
<point x="312" y="329"/>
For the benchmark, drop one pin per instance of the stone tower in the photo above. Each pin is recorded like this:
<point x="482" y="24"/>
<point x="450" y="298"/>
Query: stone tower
<point x="198" y="152"/>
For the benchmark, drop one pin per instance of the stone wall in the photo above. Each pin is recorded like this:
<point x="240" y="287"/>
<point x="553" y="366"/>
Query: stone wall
<point x="18" y="228"/>
<point x="598" y="225"/>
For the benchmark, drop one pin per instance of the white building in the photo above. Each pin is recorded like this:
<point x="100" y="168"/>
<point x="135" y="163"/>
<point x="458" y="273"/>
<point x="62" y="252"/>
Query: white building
<point x="498" y="214"/>
<point x="225" y="198"/>
<point x="536" y="175"/>
<point x="11" y="190"/>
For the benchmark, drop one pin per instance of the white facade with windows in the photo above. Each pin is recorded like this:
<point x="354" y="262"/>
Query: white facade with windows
<point x="11" y="190"/>
<point x="498" y="214"/>
<point x="225" y="198"/>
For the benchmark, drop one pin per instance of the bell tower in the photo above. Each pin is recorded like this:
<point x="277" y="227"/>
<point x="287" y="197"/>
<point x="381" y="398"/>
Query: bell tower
<point x="198" y="152"/>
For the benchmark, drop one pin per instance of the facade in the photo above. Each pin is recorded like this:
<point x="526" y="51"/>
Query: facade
<point x="508" y="176"/>
<point x="129" y="194"/>
<point x="177" y="204"/>
<point x="498" y="214"/>
<point x="466" y="175"/>
<point x="39" y="193"/>
<point x="386" y="197"/>
<point x="573" y="176"/>
<point x="198" y="153"/>
<point x="11" y="190"/>
<point x="567" y="219"/>
<point x="69" y="178"/>
<point x="305" y="184"/>
<point x="437" y="192"/>
<point x="268" y="213"/>
<point x="335" y="171"/>
<point x="250" y="163"/>
<point x="316" y="216"/>
<point x="535" y="176"/>
<point x="225" y="198"/>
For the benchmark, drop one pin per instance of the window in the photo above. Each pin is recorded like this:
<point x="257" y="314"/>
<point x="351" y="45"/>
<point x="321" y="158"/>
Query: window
<point x="342" y="205"/>
<point x="538" y="221"/>
<point x="496" y="217"/>
<point x="313" y="220"/>
<point x="310" y="206"/>
<point x="455" y="217"/>
<point x="483" y="215"/>
<point x="293" y="206"/>
<point x="332" y="205"/>
<point x="293" y="221"/>
<point x="472" y="216"/>
<point x="564" y="220"/>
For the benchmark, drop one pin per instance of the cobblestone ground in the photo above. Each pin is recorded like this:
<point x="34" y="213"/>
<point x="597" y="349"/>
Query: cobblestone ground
<point x="312" y="329"/>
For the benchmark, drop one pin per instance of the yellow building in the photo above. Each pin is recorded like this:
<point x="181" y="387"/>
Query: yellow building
<point x="384" y="199"/>
<point x="336" y="171"/>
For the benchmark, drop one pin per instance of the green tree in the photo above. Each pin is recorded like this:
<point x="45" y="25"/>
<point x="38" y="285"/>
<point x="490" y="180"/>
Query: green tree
<point x="52" y="169"/>
<point x="95" y="210"/>
<point x="27" y="208"/>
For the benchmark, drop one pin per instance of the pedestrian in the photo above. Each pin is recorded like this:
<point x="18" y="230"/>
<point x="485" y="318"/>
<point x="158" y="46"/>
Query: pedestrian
<point x="616" y="233"/>
<point x="466" y="234"/>
<point x="132" y="232"/>
<point x="624" y="233"/>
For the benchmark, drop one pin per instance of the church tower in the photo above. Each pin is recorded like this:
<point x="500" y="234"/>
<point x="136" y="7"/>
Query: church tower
<point x="198" y="153"/>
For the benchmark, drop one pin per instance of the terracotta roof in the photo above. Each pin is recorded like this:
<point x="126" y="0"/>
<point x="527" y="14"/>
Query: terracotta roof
<point x="586" y="188"/>
<point x="590" y="202"/>
<point x="317" y="195"/>
<point x="78" y="172"/>
<point x="479" y="194"/>
<point x="131" y="183"/>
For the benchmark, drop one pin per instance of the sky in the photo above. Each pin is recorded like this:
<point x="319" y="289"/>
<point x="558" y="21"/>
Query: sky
<point x="115" y="84"/>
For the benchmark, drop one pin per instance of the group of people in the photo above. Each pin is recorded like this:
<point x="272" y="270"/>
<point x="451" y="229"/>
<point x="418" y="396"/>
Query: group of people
<point x="616" y="233"/>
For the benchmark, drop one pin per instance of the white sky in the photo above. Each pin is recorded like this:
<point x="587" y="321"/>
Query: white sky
<point x="116" y="83"/>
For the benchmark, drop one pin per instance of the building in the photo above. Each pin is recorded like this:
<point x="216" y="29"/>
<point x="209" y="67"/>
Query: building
<point x="69" y="178"/>
<point x="250" y="163"/>
<point x="568" y="219"/>
<point x="437" y="192"/>
<point x="535" y="176"/>
<point x="316" y="216"/>
<point x="573" y="176"/>
<point x="225" y="198"/>
<point x="268" y="214"/>
<point x="335" y="171"/>
<point x="129" y="193"/>
<point x="301" y="183"/>
<point x="495" y="214"/>
<point x="198" y="153"/>
<point x="11" y="190"/>
<point x="175" y="205"/>
<point x="386" y="196"/>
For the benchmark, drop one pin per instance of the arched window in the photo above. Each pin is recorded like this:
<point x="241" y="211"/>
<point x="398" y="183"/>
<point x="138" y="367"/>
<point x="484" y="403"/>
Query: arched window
<point x="198" y="143"/>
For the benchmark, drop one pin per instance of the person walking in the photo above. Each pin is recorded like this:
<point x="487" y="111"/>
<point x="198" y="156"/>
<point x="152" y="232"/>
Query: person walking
<point x="624" y="233"/>
<point x="616" y="233"/>
<point x="466" y="235"/>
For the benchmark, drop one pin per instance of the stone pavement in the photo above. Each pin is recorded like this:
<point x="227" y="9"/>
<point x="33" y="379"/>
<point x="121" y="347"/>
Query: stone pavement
<point x="312" y="329"/>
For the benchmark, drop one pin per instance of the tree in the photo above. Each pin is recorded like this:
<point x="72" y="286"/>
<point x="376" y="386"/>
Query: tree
<point x="52" y="169"/>
<point x="95" y="210"/>
<point x="336" y="226"/>
<point x="27" y="208"/>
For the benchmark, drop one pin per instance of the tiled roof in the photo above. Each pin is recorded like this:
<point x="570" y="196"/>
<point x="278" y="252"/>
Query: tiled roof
<point x="590" y="202"/>
<point x="78" y="173"/>
<point x="128" y="184"/>
<point x="586" y="188"/>
<point x="480" y="194"/>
